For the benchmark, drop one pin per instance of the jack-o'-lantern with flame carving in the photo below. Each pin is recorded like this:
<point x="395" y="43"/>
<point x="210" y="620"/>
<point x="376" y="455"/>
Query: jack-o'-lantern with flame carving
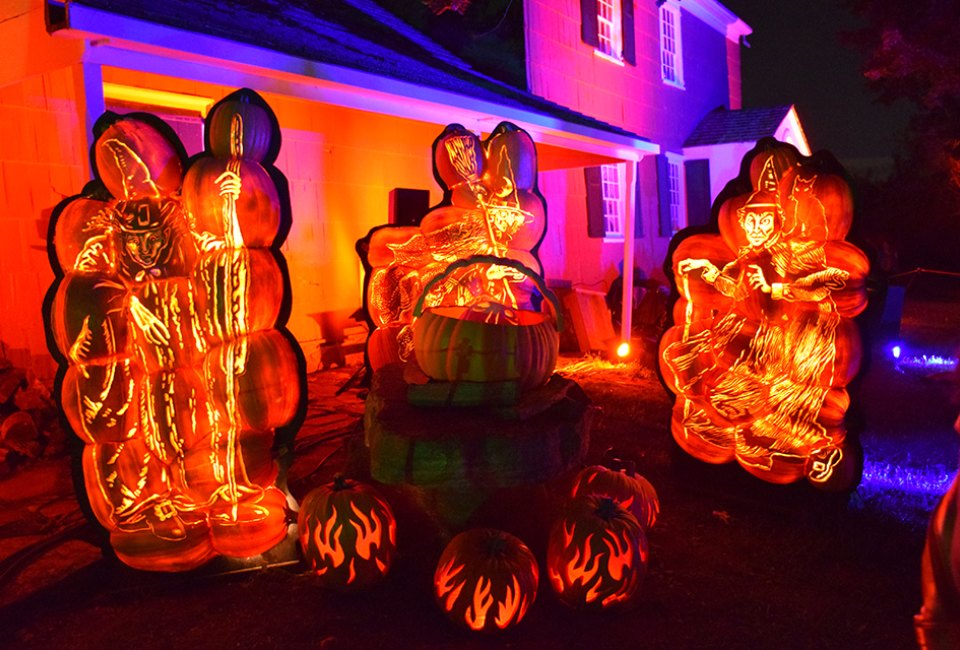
<point x="631" y="490"/>
<point x="486" y="580"/>
<point x="348" y="534"/>
<point x="597" y="555"/>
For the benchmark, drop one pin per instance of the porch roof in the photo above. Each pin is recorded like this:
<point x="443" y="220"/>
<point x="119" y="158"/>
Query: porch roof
<point x="353" y="52"/>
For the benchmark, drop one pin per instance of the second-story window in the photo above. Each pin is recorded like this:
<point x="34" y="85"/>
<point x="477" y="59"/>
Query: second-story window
<point x="608" y="28"/>
<point x="607" y="25"/>
<point x="671" y="53"/>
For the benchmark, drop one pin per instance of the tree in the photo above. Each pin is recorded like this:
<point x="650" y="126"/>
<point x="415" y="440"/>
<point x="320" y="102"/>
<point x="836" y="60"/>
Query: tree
<point x="912" y="51"/>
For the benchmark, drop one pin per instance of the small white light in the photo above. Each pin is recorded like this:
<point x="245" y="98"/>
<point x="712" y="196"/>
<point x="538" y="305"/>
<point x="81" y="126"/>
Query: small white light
<point x="895" y="351"/>
<point x="623" y="350"/>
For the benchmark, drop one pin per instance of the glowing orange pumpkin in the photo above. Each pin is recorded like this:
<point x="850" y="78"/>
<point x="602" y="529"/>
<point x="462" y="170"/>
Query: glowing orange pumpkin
<point x="630" y="490"/>
<point x="486" y="580"/>
<point x="261" y="131"/>
<point x="348" y="534"/>
<point x="487" y="341"/>
<point x="597" y="555"/>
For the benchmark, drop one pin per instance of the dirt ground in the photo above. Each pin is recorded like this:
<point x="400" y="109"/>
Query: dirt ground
<point x="734" y="562"/>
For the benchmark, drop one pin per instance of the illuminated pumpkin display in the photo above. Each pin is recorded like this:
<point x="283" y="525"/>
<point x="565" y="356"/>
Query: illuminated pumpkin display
<point x="486" y="580"/>
<point x="764" y="343"/>
<point x="597" y="555"/>
<point x="348" y="534"/>
<point x="491" y="207"/>
<point x="486" y="340"/>
<point x="176" y="372"/>
<point x="631" y="491"/>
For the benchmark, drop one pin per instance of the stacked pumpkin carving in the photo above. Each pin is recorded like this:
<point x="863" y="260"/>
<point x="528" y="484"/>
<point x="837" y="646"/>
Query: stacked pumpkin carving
<point x="765" y="343"/>
<point x="491" y="208"/>
<point x="176" y="371"/>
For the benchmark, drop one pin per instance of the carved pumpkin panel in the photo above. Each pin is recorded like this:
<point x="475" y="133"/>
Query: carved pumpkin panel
<point x="491" y="207"/>
<point x="176" y="372"/>
<point x="763" y="340"/>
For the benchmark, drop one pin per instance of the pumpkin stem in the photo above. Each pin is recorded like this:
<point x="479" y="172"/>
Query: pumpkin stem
<point x="340" y="482"/>
<point x="608" y="508"/>
<point x="498" y="545"/>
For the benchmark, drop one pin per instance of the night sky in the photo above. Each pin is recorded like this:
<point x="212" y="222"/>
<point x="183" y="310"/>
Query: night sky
<point x="795" y="56"/>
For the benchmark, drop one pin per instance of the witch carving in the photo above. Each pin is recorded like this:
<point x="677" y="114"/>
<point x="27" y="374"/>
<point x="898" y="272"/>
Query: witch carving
<point x="764" y="343"/>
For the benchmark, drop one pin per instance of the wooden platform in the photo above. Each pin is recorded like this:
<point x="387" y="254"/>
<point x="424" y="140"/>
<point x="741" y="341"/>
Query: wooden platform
<point x="477" y="449"/>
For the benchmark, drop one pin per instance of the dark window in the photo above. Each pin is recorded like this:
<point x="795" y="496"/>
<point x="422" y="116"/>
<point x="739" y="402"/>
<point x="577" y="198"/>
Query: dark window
<point x="698" y="192"/>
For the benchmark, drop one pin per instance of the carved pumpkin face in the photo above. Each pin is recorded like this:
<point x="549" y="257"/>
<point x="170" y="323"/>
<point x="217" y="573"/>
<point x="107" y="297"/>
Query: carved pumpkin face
<point x="486" y="580"/>
<point x="348" y="534"/>
<point x="597" y="555"/>
<point x="631" y="491"/>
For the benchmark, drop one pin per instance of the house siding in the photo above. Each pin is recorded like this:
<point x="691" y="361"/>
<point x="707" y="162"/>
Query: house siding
<point x="564" y="69"/>
<point x="42" y="161"/>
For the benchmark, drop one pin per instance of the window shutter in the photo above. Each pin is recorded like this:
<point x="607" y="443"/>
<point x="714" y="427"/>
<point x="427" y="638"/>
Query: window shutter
<point x="589" y="30"/>
<point x="594" y="185"/>
<point x="698" y="191"/>
<point x="663" y="195"/>
<point x="637" y="209"/>
<point x="629" y="42"/>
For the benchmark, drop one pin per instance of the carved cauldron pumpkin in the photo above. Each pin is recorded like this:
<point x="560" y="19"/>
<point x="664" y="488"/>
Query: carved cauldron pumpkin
<point x="348" y="534"/>
<point x="630" y="490"/>
<point x="487" y="341"/>
<point x="486" y="580"/>
<point x="597" y="555"/>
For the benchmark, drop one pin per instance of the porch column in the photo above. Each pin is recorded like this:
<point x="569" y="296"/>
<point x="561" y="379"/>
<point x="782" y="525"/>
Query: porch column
<point x="626" y="311"/>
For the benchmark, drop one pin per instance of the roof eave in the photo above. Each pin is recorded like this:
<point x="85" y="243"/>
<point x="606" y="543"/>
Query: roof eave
<point x="130" y="43"/>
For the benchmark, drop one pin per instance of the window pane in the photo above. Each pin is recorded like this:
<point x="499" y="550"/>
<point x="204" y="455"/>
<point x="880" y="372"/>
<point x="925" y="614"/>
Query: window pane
<point x="670" y="59"/>
<point x="608" y="27"/>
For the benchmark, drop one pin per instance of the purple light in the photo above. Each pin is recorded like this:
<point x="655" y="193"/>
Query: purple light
<point x="929" y="481"/>
<point x="895" y="351"/>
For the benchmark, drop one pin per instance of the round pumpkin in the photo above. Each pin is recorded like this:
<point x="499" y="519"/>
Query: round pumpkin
<point x="241" y="125"/>
<point x="224" y="275"/>
<point x="487" y="341"/>
<point x="81" y="237"/>
<point x="630" y="490"/>
<point x="486" y="579"/>
<point x="265" y="394"/>
<point x="135" y="160"/>
<point x="347" y="534"/>
<point x="451" y="347"/>
<point x="257" y="206"/>
<point x="597" y="555"/>
<point x="98" y="400"/>
<point x="88" y="319"/>
<point x="253" y="525"/>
